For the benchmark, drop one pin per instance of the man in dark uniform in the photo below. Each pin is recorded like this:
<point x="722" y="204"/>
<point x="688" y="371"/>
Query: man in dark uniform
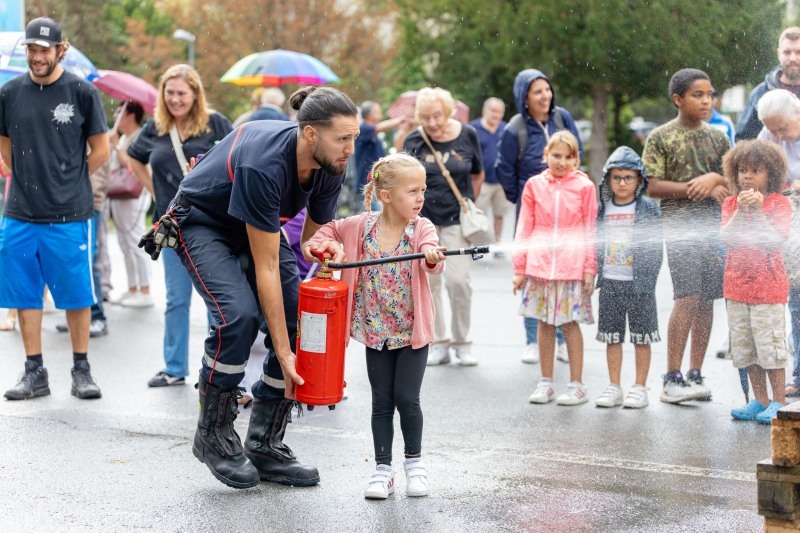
<point x="229" y="210"/>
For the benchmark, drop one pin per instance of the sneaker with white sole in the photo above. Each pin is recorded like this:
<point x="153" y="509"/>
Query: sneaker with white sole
<point x="162" y="379"/>
<point x="118" y="299"/>
<point x="438" y="355"/>
<point x="676" y="389"/>
<point x="530" y="355"/>
<point x="576" y="394"/>
<point x="98" y="328"/>
<point x="139" y="300"/>
<point x="695" y="380"/>
<point x="465" y="357"/>
<point x="610" y="397"/>
<point x="561" y="352"/>
<point x="416" y="477"/>
<point x="381" y="483"/>
<point x="636" y="398"/>
<point x="543" y="393"/>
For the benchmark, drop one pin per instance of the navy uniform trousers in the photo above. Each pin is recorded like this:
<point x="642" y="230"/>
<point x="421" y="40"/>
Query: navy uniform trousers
<point x="221" y="266"/>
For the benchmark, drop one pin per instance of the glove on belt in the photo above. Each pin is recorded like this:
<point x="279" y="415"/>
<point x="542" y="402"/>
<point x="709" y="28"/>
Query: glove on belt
<point x="163" y="234"/>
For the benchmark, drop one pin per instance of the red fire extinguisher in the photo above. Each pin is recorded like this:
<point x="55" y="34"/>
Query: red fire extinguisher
<point x="321" y="336"/>
<point x="322" y="327"/>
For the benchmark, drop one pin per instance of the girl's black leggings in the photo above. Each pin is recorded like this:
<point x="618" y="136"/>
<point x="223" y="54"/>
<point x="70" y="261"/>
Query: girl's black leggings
<point x="396" y="379"/>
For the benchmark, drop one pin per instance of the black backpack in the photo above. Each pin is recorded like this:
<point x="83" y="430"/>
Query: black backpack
<point x="518" y="126"/>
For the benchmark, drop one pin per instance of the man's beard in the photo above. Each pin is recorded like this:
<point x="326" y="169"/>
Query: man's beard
<point x="47" y="73"/>
<point x="326" y="164"/>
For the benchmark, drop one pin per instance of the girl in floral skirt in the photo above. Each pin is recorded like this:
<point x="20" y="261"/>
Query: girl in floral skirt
<point x="555" y="262"/>
<point x="390" y="309"/>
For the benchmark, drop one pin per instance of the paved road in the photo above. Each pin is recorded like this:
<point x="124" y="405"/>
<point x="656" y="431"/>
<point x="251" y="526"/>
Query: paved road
<point x="496" y="462"/>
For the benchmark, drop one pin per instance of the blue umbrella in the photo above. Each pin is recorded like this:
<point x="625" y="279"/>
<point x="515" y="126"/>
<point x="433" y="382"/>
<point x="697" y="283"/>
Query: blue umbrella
<point x="13" y="58"/>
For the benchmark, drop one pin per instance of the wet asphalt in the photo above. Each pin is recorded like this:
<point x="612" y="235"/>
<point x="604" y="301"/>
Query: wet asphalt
<point x="495" y="462"/>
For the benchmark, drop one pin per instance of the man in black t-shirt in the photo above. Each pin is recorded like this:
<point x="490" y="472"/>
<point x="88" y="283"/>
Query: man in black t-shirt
<point x="47" y="119"/>
<point x="229" y="210"/>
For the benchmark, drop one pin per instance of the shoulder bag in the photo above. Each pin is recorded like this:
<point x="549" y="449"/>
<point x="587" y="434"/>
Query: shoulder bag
<point x="473" y="221"/>
<point x="177" y="147"/>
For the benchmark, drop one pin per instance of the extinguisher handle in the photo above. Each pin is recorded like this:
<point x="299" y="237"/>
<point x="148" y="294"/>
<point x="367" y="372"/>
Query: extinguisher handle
<point x="322" y="256"/>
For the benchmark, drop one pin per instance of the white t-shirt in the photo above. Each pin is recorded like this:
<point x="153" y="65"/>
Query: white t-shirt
<point x="792" y="150"/>
<point x="618" y="261"/>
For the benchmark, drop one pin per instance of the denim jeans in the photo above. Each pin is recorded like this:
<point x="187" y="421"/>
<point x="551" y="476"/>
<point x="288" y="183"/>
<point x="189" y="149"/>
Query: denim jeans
<point x="176" y="316"/>
<point x="532" y="332"/>
<point x="97" y="308"/>
<point x="794" y="312"/>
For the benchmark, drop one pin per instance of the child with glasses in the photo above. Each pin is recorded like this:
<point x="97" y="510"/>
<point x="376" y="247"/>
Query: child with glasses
<point x="629" y="256"/>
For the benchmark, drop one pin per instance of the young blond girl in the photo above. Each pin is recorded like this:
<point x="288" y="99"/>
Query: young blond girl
<point x="555" y="262"/>
<point x="390" y="308"/>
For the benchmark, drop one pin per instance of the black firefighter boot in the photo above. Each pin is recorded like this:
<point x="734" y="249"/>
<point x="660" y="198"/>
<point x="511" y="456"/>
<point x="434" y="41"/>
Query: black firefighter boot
<point x="265" y="448"/>
<point x="216" y="442"/>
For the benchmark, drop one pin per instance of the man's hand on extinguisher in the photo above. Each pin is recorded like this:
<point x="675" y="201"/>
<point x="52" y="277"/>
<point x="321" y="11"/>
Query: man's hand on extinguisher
<point x="288" y="362"/>
<point x="332" y="247"/>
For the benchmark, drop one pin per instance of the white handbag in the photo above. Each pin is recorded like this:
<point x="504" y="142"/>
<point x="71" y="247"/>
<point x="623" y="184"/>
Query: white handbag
<point x="473" y="221"/>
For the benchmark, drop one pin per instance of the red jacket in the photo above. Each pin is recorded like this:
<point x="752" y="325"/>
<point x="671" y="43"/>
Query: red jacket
<point x="755" y="275"/>
<point x="556" y="228"/>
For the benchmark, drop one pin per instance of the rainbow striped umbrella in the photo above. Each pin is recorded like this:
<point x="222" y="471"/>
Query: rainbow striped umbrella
<point x="279" y="67"/>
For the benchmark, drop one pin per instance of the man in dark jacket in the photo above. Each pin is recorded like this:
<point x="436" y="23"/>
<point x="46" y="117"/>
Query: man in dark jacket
<point x="520" y="156"/>
<point x="786" y="76"/>
<point x="629" y="257"/>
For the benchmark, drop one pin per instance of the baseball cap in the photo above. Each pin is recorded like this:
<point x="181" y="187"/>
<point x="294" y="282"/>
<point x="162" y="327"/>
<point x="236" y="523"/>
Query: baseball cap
<point x="44" y="32"/>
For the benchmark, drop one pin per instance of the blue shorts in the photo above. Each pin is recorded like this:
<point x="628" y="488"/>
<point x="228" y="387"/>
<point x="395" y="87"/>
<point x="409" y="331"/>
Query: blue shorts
<point x="57" y="255"/>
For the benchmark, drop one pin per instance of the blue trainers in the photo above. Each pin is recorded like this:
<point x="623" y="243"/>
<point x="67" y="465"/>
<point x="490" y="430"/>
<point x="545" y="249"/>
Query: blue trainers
<point x="749" y="411"/>
<point x="766" y="416"/>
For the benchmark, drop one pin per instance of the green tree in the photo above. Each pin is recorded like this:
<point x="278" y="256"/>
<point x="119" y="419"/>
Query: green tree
<point x="612" y="50"/>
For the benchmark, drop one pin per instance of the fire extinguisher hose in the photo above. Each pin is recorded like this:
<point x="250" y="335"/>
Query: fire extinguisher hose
<point x="475" y="251"/>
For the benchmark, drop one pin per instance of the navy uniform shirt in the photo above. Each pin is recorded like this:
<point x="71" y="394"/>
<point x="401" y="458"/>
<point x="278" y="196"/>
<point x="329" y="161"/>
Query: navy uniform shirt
<point x="250" y="177"/>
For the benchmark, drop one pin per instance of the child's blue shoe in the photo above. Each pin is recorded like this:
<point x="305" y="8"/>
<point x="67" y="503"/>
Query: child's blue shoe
<point x="766" y="416"/>
<point x="749" y="411"/>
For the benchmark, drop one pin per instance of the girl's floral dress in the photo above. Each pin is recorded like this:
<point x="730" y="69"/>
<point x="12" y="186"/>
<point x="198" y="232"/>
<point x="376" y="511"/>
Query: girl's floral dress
<point x="383" y="310"/>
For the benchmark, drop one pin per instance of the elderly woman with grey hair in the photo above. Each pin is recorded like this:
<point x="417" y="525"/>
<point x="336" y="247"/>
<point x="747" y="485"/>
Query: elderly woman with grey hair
<point x="779" y="110"/>
<point x="458" y="148"/>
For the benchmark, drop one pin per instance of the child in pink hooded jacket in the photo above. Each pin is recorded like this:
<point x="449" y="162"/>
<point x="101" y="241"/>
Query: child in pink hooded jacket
<point x="555" y="261"/>
<point x="390" y="308"/>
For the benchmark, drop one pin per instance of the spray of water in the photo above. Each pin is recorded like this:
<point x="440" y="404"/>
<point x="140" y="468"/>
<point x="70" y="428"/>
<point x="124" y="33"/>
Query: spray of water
<point x="679" y="234"/>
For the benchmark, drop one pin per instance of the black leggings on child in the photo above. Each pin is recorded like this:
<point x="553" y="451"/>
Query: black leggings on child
<point x="396" y="379"/>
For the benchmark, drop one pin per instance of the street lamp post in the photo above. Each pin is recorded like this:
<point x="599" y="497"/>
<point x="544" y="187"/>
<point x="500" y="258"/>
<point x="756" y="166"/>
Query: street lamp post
<point x="183" y="35"/>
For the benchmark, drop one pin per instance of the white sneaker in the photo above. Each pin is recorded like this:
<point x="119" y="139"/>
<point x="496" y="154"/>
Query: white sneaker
<point x="117" y="300"/>
<point x="344" y="393"/>
<point x="696" y="382"/>
<point x="543" y="393"/>
<point x="416" y="477"/>
<point x="465" y="357"/>
<point x="139" y="300"/>
<point x="677" y="392"/>
<point x="576" y="394"/>
<point x="438" y="355"/>
<point x="561" y="353"/>
<point x="610" y="397"/>
<point x="530" y="355"/>
<point x="381" y="483"/>
<point x="636" y="398"/>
